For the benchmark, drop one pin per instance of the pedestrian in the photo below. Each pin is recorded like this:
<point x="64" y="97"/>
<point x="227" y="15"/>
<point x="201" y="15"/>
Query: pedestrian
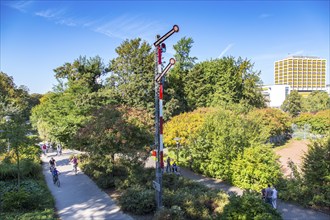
<point x="44" y="149"/>
<point x="269" y="194"/>
<point x="175" y="168"/>
<point x="59" y="149"/>
<point x="274" y="197"/>
<point x="168" y="165"/>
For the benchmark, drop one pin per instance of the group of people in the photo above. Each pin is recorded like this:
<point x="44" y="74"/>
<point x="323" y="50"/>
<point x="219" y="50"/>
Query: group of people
<point x="46" y="146"/>
<point x="54" y="171"/>
<point x="269" y="195"/>
<point x="171" y="167"/>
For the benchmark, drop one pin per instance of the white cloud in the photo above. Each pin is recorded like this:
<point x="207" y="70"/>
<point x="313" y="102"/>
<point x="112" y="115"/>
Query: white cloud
<point x="50" y="13"/>
<point x="225" y="50"/>
<point x="19" y="5"/>
<point x="125" y="26"/>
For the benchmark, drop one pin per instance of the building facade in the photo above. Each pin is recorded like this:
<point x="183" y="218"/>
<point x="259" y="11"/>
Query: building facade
<point x="302" y="73"/>
<point x="275" y="94"/>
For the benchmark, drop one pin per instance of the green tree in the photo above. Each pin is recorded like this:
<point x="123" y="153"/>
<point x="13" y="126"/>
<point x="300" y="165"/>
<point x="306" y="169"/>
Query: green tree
<point x="65" y="110"/>
<point x="269" y="122"/>
<point x="317" y="101"/>
<point x="175" y="100"/>
<point x="293" y="103"/>
<point x="82" y="73"/>
<point x="116" y="130"/>
<point x="225" y="80"/>
<point x="132" y="74"/>
<point x="316" y="170"/>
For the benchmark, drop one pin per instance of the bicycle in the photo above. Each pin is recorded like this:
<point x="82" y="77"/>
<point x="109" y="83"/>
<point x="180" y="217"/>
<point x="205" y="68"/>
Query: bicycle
<point x="56" y="180"/>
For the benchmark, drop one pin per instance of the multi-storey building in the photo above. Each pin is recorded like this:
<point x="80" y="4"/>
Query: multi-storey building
<point x="302" y="73"/>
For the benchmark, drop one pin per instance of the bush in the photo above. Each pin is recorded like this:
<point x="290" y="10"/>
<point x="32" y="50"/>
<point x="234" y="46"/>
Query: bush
<point x="173" y="213"/>
<point x="249" y="206"/>
<point x="220" y="140"/>
<point x="255" y="168"/>
<point x="48" y="214"/>
<point x="138" y="200"/>
<point x="196" y="200"/>
<point x="316" y="164"/>
<point x="16" y="200"/>
<point x="26" y="196"/>
<point x="28" y="168"/>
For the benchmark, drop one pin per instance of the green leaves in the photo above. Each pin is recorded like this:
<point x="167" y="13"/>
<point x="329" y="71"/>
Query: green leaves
<point x="255" y="168"/>
<point x="132" y="74"/>
<point x="293" y="103"/>
<point x="226" y="80"/>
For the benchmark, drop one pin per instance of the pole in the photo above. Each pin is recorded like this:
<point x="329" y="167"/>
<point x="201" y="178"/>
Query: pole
<point x="159" y="82"/>
<point x="158" y="70"/>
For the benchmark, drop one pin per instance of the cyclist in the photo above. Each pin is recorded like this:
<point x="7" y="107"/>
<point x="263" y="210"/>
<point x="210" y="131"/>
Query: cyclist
<point x="74" y="162"/>
<point x="55" y="173"/>
<point x="52" y="164"/>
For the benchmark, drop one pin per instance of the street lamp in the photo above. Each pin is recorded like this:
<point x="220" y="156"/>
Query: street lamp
<point x="177" y="139"/>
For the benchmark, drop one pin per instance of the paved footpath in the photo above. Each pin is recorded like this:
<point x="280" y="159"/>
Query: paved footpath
<point x="78" y="197"/>
<point x="288" y="211"/>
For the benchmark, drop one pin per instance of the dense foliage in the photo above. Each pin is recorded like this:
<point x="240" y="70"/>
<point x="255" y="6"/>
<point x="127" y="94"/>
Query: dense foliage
<point x="255" y="168"/>
<point x="293" y="103"/>
<point x="249" y="206"/>
<point x="220" y="142"/>
<point x="270" y="123"/>
<point x="319" y="123"/>
<point x="29" y="200"/>
<point x="312" y="186"/>
<point x="214" y="82"/>
<point x="317" y="101"/>
<point x="316" y="170"/>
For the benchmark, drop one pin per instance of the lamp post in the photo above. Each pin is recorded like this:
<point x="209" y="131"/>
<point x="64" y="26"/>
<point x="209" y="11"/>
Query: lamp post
<point x="177" y="139"/>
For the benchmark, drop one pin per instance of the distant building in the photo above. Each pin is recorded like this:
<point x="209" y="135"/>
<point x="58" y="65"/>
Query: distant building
<point x="275" y="94"/>
<point x="302" y="73"/>
<point x="328" y="89"/>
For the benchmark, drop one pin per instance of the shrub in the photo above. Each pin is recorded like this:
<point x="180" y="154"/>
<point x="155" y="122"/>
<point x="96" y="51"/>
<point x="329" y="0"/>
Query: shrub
<point x="8" y="171"/>
<point x="44" y="214"/>
<point x="29" y="192"/>
<point x="249" y="206"/>
<point x="138" y="200"/>
<point x="255" y="168"/>
<point x="173" y="213"/>
<point x="316" y="164"/>
<point x="196" y="200"/>
<point x="16" y="200"/>
<point x="222" y="137"/>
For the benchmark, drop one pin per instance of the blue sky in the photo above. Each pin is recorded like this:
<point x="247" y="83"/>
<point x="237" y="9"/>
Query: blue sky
<point x="39" y="36"/>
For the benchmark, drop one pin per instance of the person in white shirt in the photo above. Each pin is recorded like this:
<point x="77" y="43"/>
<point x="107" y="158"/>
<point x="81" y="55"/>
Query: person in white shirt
<point x="274" y="197"/>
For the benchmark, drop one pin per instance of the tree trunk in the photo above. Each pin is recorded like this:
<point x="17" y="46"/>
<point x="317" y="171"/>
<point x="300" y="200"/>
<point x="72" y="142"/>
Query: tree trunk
<point x="18" y="168"/>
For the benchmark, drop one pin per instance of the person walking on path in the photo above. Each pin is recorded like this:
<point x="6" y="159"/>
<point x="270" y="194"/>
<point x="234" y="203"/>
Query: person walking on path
<point x="274" y="197"/>
<point x="44" y="148"/>
<point x="168" y="165"/>
<point x="269" y="194"/>
<point x="59" y="149"/>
